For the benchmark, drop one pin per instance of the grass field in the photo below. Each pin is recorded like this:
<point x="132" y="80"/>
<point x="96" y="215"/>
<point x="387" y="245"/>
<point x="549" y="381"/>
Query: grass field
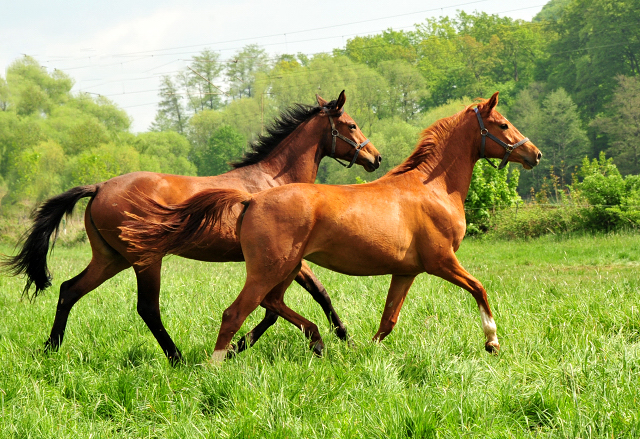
<point x="568" y="319"/>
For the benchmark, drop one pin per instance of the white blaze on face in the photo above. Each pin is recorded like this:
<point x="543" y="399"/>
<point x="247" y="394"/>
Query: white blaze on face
<point x="488" y="326"/>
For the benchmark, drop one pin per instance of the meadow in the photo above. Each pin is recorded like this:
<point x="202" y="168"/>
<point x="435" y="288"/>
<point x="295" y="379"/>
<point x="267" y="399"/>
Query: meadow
<point x="568" y="323"/>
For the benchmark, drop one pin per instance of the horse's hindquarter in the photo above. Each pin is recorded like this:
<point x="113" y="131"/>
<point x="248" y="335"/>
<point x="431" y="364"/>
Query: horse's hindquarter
<point x="114" y="199"/>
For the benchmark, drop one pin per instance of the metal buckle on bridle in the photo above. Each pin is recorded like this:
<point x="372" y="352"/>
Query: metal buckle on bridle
<point x="507" y="146"/>
<point x="336" y="134"/>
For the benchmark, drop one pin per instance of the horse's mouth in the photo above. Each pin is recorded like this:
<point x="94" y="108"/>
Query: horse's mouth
<point x="372" y="166"/>
<point x="526" y="164"/>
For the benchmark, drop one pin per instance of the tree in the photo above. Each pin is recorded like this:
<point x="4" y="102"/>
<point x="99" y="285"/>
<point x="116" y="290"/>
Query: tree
<point x="553" y="123"/>
<point x="622" y="126"/>
<point x="491" y="189"/>
<point x="32" y="90"/>
<point x="36" y="173"/>
<point x="389" y="46"/>
<point x="166" y="152"/>
<point x="100" y="164"/>
<point x="241" y="72"/>
<point x="597" y="41"/>
<point x="171" y="115"/>
<point x="225" y="145"/>
<point x="406" y="89"/>
<point x="204" y="72"/>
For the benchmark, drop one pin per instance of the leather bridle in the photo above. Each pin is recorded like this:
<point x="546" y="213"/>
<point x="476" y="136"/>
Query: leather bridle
<point x="508" y="147"/>
<point x="335" y="134"/>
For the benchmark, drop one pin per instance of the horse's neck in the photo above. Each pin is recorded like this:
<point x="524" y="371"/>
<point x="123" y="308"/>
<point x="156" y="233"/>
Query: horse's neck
<point x="297" y="158"/>
<point x="451" y="164"/>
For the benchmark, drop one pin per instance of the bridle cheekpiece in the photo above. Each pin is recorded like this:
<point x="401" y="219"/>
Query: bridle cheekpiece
<point x="336" y="134"/>
<point x="508" y="147"/>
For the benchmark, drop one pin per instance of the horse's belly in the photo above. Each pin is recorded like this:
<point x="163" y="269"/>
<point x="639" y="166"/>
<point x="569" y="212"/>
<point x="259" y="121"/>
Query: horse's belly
<point x="357" y="262"/>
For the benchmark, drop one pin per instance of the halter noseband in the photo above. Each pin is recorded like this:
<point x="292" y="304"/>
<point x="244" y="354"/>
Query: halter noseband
<point x="509" y="148"/>
<point x="336" y="134"/>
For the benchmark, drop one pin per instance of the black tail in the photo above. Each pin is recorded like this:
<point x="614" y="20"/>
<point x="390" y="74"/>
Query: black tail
<point x="32" y="259"/>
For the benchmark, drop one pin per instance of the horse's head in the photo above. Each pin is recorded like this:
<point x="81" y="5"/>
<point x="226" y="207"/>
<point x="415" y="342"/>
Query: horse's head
<point x="500" y="139"/>
<point x="347" y="141"/>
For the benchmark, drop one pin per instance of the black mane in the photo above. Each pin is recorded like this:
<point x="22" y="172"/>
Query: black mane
<point x="280" y="128"/>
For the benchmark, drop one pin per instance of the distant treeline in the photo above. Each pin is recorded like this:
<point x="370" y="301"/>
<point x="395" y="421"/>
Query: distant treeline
<point x="569" y="80"/>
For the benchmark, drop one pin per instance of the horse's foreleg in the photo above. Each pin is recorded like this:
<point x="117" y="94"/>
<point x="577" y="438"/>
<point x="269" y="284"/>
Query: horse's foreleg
<point x="395" y="298"/>
<point x="253" y="293"/>
<point x="149" y="309"/>
<point x="452" y="271"/>
<point x="310" y="282"/>
<point x="74" y="289"/>
<point x="233" y="317"/>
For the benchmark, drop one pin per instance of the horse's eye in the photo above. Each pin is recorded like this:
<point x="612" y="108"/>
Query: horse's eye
<point x="352" y="126"/>
<point x="504" y="126"/>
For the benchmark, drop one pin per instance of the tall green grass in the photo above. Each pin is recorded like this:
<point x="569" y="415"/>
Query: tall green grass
<point x="568" y="319"/>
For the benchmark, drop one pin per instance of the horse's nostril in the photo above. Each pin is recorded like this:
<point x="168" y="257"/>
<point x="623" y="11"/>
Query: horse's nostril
<point x="379" y="159"/>
<point x="539" y="155"/>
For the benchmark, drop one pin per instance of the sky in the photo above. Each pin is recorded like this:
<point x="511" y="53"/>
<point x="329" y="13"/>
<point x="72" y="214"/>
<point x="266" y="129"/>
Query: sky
<point x="120" y="49"/>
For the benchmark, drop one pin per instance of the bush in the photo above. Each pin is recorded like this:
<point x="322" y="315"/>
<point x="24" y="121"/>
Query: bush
<point x="491" y="190"/>
<point x="603" y="201"/>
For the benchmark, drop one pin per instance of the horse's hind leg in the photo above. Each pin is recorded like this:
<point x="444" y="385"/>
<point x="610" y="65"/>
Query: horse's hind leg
<point x="251" y="337"/>
<point x="149" y="309"/>
<point x="98" y="271"/>
<point x="310" y="282"/>
<point x="452" y="271"/>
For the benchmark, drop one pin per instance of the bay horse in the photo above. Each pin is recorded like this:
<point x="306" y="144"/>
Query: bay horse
<point x="408" y="222"/>
<point x="290" y="151"/>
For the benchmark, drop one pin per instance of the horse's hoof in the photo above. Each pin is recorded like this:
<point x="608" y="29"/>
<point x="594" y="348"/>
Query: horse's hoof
<point x="318" y="348"/>
<point x="50" y="347"/>
<point x="175" y="359"/>
<point x="231" y="353"/>
<point x="341" y="333"/>
<point x="493" y="347"/>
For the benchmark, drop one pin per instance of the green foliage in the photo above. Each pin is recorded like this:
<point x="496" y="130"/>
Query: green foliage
<point x="490" y="190"/>
<point x="172" y="114"/>
<point x="224" y="146"/>
<point x="603" y="201"/>
<point x="204" y="72"/>
<point x="622" y="125"/>
<point x="242" y="72"/>
<point x="165" y="152"/>
<point x="33" y="91"/>
<point x="552" y="122"/>
<point x="36" y="173"/>
<point x="101" y="163"/>
<point x="597" y="41"/>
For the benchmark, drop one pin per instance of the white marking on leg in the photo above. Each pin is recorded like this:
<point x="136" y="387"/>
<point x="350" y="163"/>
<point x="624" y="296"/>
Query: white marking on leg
<point x="489" y="327"/>
<point x="218" y="356"/>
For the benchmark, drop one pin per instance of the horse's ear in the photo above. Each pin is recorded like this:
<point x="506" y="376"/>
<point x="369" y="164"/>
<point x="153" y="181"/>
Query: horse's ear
<point x="321" y="102"/>
<point x="492" y="102"/>
<point x="341" y="100"/>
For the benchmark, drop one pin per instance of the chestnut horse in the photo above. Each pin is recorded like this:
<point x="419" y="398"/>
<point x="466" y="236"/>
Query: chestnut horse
<point x="407" y="222"/>
<point x="290" y="152"/>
